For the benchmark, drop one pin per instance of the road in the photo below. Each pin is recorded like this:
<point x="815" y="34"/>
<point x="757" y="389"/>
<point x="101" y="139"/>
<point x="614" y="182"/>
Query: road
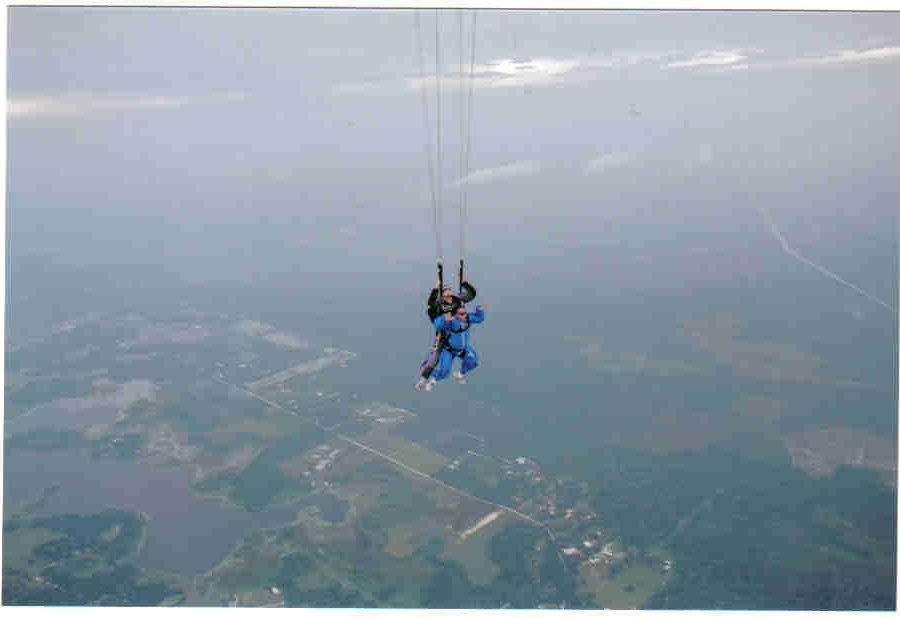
<point x="787" y="248"/>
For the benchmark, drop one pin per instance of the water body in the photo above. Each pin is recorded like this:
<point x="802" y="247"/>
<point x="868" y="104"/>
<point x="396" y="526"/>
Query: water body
<point x="185" y="534"/>
<point x="78" y="413"/>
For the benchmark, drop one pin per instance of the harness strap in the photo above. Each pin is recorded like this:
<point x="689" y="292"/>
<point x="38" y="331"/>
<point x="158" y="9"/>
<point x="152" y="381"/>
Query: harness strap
<point x="445" y="340"/>
<point x="455" y="351"/>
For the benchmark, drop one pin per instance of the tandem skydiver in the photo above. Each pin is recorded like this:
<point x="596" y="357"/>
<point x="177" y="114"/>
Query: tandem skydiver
<point x="440" y="301"/>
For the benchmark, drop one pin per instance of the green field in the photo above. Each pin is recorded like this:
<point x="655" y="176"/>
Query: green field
<point x="238" y="431"/>
<point x="408" y="453"/>
<point x="79" y="560"/>
<point x="402" y="541"/>
<point x="401" y="502"/>
<point x="629" y="589"/>
<point x="19" y="545"/>
<point x="262" y="482"/>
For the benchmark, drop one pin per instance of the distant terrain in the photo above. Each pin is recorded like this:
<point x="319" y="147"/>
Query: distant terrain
<point x="375" y="516"/>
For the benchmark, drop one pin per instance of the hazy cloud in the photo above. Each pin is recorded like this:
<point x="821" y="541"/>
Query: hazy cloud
<point x="607" y="161"/>
<point x="522" y="72"/>
<point x="854" y="56"/>
<point x="81" y="104"/>
<point x="502" y="73"/>
<point x="507" y="72"/>
<point x="490" y="174"/>
<point x="839" y="58"/>
<point x="709" y="58"/>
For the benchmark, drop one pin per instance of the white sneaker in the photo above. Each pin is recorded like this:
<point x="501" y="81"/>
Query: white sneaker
<point x="459" y="377"/>
<point x="430" y="384"/>
<point x="420" y="385"/>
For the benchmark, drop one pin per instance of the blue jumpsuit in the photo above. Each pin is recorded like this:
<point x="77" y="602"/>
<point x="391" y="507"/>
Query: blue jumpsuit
<point x="458" y="342"/>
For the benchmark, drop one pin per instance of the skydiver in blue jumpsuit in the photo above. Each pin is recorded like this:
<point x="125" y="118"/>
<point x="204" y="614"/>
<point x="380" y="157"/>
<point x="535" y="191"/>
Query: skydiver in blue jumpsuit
<point x="456" y="343"/>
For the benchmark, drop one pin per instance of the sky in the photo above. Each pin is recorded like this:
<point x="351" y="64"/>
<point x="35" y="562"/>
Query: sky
<point x="261" y="145"/>
<point x="103" y="93"/>
<point x="199" y="120"/>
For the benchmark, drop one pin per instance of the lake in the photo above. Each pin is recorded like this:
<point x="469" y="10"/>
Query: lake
<point x="185" y="534"/>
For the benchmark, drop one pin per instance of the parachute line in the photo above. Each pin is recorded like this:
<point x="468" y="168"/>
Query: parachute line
<point x="462" y="132"/>
<point x="428" y="146"/>
<point x="467" y="151"/>
<point x="437" y="72"/>
<point x="434" y="148"/>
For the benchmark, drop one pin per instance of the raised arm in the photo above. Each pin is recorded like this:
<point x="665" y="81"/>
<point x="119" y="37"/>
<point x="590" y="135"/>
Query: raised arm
<point x="477" y="316"/>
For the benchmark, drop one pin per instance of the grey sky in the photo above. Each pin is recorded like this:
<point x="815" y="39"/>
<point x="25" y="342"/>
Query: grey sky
<point x="208" y="108"/>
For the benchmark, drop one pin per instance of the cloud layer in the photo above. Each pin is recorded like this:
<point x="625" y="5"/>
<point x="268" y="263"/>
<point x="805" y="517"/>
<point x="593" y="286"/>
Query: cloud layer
<point x="608" y="161"/>
<point x="522" y="72"/>
<point x="709" y="58"/>
<point x="831" y="59"/>
<point x="551" y="71"/>
<point x="853" y="56"/>
<point x="83" y="104"/>
<point x="502" y="73"/>
<point x="502" y="172"/>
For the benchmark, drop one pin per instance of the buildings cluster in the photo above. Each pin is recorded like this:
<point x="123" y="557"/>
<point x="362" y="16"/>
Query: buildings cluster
<point x="384" y="414"/>
<point x="320" y="458"/>
<point x="522" y="468"/>
<point x="595" y="549"/>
